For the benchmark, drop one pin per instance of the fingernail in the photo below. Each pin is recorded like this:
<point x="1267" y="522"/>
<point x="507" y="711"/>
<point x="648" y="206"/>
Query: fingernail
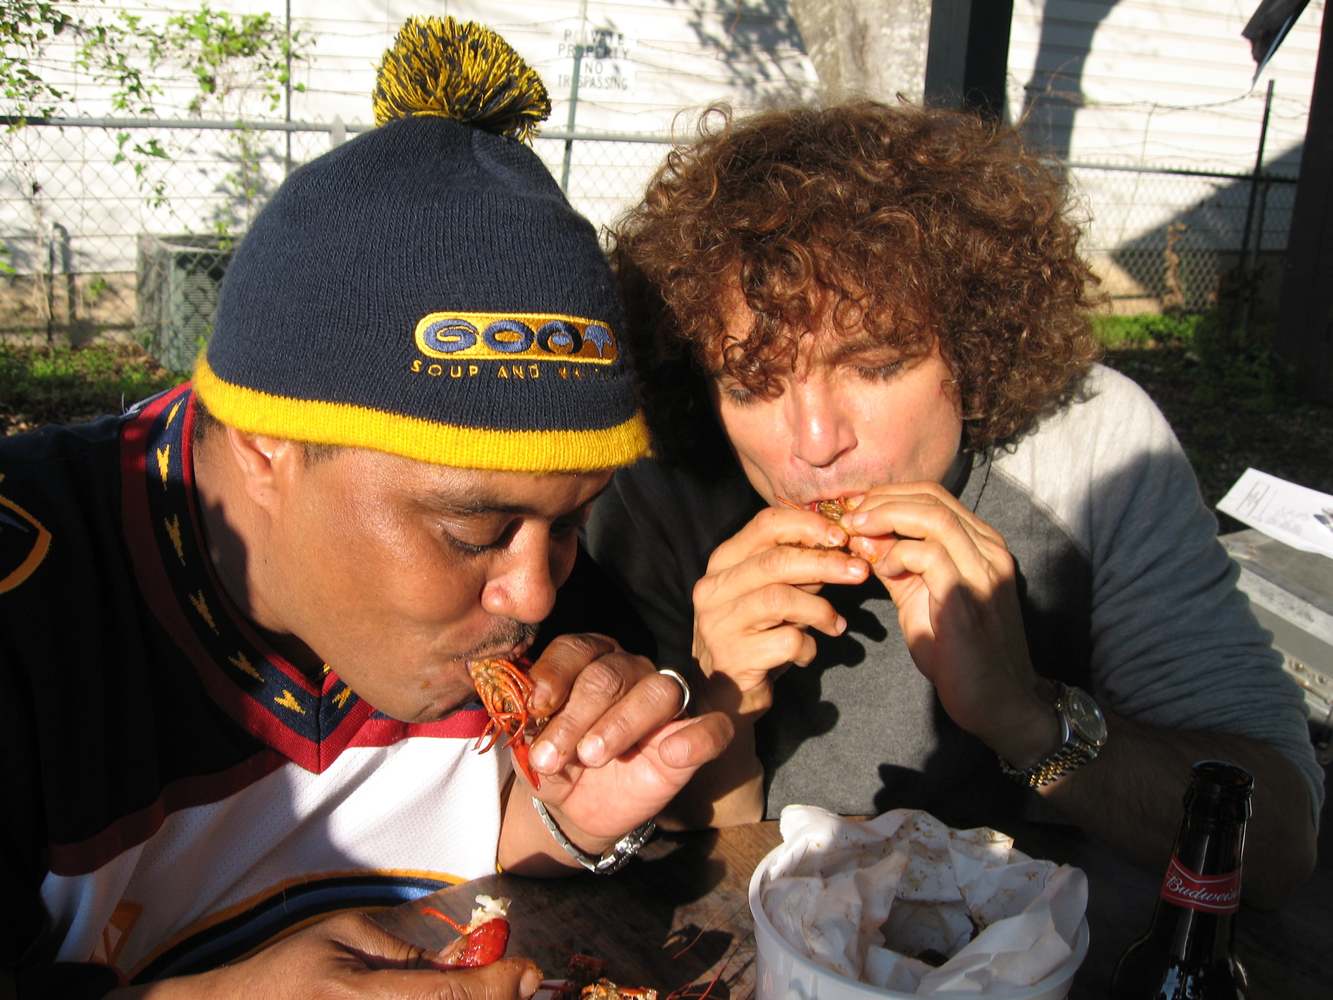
<point x="840" y="626"/>
<point x="837" y="537"/>
<point x="531" y="982"/>
<point x="864" y="548"/>
<point x="856" y="520"/>
<point x="539" y="701"/>
<point x="542" y="757"/>
<point x="853" y="501"/>
<point x="591" y="750"/>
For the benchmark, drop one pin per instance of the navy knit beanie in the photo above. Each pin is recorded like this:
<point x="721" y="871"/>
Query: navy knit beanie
<point x="425" y="289"/>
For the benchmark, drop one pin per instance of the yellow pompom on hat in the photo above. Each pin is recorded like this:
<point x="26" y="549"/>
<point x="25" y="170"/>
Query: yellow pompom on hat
<point x="426" y="289"/>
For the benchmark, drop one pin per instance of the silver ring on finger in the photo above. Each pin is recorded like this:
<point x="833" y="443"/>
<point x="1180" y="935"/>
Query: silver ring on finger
<point x="684" y="690"/>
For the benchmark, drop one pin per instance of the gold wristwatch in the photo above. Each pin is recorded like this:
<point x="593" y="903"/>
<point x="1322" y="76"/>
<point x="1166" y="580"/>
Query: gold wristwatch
<point x="1082" y="736"/>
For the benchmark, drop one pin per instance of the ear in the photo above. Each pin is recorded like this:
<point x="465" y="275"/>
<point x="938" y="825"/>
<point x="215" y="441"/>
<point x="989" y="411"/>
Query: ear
<point x="266" y="464"/>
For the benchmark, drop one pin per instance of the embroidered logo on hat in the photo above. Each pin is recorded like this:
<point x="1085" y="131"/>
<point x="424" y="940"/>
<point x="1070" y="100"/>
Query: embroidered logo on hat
<point x="458" y="336"/>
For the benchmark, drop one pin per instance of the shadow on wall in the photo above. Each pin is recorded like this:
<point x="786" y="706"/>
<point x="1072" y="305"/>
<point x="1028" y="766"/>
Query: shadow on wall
<point x="1188" y="261"/>
<point x="1053" y="94"/>
<point x="1199" y="254"/>
<point x="750" y="34"/>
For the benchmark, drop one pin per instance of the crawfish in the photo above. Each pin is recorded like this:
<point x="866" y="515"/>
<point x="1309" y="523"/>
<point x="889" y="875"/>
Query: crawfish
<point x="832" y="508"/>
<point x="504" y="689"/>
<point x="482" y="940"/>
<point x="585" y="979"/>
<point x="605" y="989"/>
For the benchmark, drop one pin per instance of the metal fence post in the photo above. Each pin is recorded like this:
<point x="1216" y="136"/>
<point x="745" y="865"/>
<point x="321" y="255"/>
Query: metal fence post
<point x="573" y="98"/>
<point x="1249" y="262"/>
<point x="569" y="121"/>
<point x="287" y="87"/>
<point x="51" y="287"/>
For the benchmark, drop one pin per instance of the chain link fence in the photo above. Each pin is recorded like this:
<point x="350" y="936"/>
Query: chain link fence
<point x="124" y="228"/>
<point x="1165" y="239"/>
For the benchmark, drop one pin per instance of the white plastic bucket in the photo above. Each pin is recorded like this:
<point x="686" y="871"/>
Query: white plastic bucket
<point x="784" y="974"/>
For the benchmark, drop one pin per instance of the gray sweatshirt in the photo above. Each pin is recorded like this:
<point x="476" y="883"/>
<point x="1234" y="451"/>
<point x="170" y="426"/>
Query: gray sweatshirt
<point x="1124" y="587"/>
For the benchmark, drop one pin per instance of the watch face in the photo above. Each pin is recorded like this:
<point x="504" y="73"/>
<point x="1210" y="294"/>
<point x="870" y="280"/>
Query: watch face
<point x="1085" y="718"/>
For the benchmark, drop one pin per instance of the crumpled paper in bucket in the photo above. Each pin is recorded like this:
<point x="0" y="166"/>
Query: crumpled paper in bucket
<point x="864" y="898"/>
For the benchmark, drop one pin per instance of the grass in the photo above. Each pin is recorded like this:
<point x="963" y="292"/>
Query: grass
<point x="1224" y="396"/>
<point x="46" y="385"/>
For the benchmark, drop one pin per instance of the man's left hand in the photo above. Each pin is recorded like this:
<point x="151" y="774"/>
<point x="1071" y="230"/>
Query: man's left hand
<point x="613" y="754"/>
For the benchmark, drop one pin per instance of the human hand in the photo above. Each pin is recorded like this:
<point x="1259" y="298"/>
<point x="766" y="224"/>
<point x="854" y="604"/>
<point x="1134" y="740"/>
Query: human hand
<point x="613" y="754"/>
<point x="758" y="598"/>
<point x="347" y="955"/>
<point x="952" y="579"/>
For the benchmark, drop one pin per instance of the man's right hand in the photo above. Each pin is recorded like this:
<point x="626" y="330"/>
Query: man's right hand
<point x="347" y="955"/>
<point x="758" y="598"/>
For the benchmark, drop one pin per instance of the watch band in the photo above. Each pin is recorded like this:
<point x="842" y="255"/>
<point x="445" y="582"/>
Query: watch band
<point x="1073" y="752"/>
<point x="1069" y="757"/>
<point x="613" y="858"/>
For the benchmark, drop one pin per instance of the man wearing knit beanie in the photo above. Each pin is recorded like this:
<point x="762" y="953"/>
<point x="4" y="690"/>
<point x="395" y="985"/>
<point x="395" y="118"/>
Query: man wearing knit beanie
<point x="257" y="634"/>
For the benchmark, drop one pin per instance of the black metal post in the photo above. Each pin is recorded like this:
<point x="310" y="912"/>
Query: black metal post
<point x="967" y="55"/>
<point x="1305" y="319"/>
<point x="1254" y="180"/>
<point x="1249" y="261"/>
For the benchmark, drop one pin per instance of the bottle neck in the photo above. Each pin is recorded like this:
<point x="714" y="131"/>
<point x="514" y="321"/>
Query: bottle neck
<point x="1200" y="891"/>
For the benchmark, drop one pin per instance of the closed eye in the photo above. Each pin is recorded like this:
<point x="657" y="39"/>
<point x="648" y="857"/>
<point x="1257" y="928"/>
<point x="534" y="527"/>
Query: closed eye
<point x="879" y="373"/>
<point x="466" y="548"/>
<point x="495" y="542"/>
<point x="470" y="548"/>
<point x="738" y="395"/>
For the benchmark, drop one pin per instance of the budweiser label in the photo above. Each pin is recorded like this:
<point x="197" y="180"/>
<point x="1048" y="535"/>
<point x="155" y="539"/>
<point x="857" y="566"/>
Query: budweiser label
<point x="1206" y="893"/>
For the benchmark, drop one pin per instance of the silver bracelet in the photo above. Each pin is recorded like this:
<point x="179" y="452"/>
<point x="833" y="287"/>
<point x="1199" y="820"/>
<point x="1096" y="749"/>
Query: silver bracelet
<point x="613" y="858"/>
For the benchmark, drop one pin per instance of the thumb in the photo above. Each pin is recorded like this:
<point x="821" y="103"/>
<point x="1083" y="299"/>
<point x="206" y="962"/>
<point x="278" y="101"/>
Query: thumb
<point x="687" y="744"/>
<point x="397" y="969"/>
<point x="507" y="979"/>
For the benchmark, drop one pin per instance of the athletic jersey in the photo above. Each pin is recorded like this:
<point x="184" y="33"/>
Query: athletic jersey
<point x="178" y="792"/>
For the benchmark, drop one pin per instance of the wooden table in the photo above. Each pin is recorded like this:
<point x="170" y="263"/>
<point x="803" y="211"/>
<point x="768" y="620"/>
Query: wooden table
<point x="677" y="917"/>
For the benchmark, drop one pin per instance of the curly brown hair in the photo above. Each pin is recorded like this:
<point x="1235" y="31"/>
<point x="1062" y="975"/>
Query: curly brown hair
<point x="916" y="225"/>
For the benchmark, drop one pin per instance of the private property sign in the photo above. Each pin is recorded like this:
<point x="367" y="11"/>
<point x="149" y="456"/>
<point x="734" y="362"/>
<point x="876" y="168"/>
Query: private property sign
<point x="602" y="56"/>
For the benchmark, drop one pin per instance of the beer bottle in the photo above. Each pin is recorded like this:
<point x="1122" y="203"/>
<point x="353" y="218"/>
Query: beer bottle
<point x="1187" y="951"/>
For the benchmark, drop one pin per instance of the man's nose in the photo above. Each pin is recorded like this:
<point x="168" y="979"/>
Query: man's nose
<point x="524" y="586"/>
<point x="820" y="429"/>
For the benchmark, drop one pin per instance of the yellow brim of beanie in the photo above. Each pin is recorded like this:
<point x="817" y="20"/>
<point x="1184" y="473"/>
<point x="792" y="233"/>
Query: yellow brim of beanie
<point x="320" y="422"/>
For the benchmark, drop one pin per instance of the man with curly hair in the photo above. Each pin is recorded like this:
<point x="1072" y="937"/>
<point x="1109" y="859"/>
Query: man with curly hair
<point x="885" y="455"/>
